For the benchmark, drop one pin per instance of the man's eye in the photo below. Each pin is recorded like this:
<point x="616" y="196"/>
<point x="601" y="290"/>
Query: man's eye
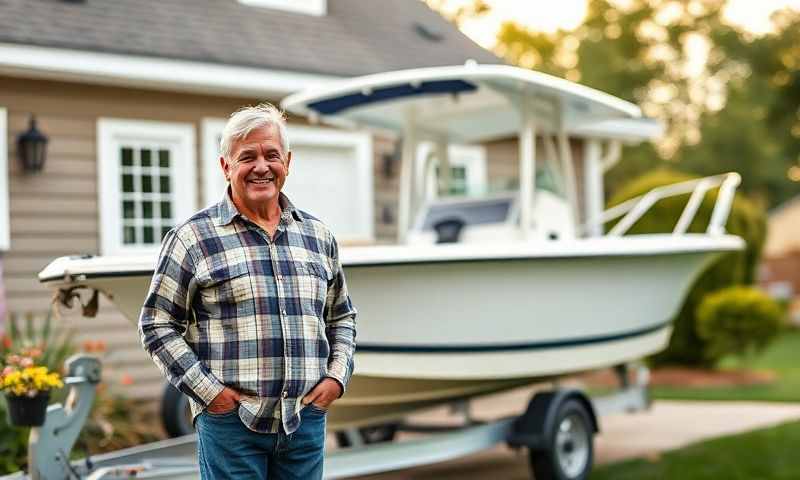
<point x="246" y="159"/>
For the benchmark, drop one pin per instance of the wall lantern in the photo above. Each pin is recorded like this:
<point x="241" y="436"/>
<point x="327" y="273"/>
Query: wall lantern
<point x="32" y="148"/>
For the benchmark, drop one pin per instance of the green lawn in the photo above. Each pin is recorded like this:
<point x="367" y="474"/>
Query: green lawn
<point x="781" y="357"/>
<point x="769" y="454"/>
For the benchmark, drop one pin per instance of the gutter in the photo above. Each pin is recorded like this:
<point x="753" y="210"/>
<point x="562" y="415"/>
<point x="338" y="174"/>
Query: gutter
<point x="111" y="69"/>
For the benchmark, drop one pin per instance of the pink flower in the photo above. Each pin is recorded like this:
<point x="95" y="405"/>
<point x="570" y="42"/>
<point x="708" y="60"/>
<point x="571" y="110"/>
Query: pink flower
<point x="26" y="362"/>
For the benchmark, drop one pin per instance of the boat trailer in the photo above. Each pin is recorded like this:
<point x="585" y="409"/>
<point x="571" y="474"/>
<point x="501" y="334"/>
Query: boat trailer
<point x="557" y="429"/>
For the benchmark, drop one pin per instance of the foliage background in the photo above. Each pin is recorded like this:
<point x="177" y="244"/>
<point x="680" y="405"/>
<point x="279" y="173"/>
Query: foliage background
<point x="728" y="98"/>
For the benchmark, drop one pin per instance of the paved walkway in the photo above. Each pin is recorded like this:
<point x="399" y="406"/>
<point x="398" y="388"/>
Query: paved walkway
<point x="666" y="426"/>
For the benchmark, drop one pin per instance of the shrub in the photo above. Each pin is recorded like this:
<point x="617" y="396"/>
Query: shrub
<point x="738" y="321"/>
<point x="736" y="268"/>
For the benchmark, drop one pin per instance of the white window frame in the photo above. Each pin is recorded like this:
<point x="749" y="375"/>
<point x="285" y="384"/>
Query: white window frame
<point x="214" y="184"/>
<point x="471" y="157"/>
<point x="5" y="224"/>
<point x="111" y="133"/>
<point x="309" y="7"/>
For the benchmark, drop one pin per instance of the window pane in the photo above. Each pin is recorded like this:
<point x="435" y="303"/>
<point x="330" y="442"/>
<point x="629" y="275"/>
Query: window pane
<point x="458" y="188"/>
<point x="128" y="209"/>
<point x="147" y="160"/>
<point x="127" y="157"/>
<point x="127" y="183"/>
<point x="148" y="235"/>
<point x="164" y="231"/>
<point x="147" y="183"/>
<point x="128" y="235"/>
<point x="166" y="210"/>
<point x="458" y="173"/>
<point x="147" y="209"/>
<point x="164" y="184"/>
<point x="163" y="158"/>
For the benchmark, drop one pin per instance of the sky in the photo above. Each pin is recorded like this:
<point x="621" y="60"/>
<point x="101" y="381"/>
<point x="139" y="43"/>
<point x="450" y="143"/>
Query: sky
<point x="549" y="15"/>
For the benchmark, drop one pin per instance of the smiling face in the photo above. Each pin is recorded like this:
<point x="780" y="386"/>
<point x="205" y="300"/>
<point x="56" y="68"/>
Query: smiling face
<point x="257" y="169"/>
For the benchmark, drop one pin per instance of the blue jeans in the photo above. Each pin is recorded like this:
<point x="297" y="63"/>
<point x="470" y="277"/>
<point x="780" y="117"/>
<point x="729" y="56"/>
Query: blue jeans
<point x="228" y="449"/>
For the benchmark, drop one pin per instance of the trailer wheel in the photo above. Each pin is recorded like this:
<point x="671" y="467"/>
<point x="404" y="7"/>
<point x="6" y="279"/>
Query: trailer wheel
<point x="568" y="451"/>
<point x="176" y="415"/>
<point x="369" y="435"/>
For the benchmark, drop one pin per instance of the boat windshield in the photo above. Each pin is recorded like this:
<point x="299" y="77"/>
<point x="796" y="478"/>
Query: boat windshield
<point x="487" y="211"/>
<point x="546" y="179"/>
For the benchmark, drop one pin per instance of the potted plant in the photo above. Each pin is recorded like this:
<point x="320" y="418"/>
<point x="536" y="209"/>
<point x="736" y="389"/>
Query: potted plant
<point x="27" y="388"/>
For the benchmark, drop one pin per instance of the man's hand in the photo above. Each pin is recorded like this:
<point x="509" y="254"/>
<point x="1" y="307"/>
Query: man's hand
<point x="324" y="393"/>
<point x="226" y="401"/>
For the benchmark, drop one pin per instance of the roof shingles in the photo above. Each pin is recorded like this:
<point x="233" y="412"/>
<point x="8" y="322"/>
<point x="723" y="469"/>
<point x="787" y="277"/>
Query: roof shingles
<point x="356" y="37"/>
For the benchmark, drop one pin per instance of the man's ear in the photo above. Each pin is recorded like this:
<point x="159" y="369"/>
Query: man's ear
<point x="226" y="168"/>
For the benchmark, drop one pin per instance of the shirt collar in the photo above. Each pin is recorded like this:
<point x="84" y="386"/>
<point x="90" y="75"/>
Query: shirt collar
<point x="227" y="211"/>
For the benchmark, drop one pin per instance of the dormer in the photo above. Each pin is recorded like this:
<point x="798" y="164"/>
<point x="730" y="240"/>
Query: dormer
<point x="309" y="7"/>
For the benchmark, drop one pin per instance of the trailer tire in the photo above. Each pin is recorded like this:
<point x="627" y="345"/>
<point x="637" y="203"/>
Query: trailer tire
<point x="176" y="416"/>
<point x="568" y="450"/>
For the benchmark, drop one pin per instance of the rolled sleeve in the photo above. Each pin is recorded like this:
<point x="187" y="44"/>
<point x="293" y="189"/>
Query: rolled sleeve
<point x="165" y="317"/>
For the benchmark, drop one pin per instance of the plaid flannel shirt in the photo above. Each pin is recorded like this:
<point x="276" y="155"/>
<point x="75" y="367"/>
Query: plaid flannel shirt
<point x="270" y="318"/>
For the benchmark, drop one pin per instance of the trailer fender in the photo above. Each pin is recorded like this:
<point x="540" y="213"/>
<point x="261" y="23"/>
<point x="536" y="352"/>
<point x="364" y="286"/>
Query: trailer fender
<point x="530" y="429"/>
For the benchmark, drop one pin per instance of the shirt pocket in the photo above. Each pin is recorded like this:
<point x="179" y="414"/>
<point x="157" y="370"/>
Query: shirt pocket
<point x="313" y="281"/>
<point x="228" y="295"/>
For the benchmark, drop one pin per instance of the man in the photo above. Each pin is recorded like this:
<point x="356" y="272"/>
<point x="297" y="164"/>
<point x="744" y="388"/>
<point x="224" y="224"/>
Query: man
<point x="248" y="314"/>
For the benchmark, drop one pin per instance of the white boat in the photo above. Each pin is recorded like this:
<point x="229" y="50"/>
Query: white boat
<point x="519" y="293"/>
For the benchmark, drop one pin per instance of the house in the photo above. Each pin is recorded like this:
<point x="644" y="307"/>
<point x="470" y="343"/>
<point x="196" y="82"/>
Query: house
<point x="780" y="266"/>
<point x="133" y="97"/>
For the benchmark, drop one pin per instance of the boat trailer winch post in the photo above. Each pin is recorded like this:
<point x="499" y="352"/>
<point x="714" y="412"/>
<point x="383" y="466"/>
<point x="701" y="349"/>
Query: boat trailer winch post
<point x="49" y="446"/>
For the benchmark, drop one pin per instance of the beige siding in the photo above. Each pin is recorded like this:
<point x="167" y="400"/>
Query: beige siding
<point x="386" y="191"/>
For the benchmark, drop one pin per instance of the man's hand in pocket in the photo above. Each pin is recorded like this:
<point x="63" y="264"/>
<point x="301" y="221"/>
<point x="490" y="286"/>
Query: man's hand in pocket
<point x="226" y="401"/>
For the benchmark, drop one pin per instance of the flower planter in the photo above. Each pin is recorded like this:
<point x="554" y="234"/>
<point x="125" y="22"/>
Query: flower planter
<point x="26" y="411"/>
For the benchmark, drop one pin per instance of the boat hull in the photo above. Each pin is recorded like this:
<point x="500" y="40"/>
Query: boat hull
<point x="433" y="329"/>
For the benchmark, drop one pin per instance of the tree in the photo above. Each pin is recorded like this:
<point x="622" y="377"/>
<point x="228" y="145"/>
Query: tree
<point x="728" y="99"/>
<point x="457" y="14"/>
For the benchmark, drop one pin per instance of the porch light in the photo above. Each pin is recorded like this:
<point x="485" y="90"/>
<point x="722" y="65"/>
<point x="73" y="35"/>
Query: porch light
<point x="32" y="148"/>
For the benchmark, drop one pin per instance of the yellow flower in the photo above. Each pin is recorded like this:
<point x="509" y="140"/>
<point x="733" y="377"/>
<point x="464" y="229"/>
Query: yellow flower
<point x="29" y="380"/>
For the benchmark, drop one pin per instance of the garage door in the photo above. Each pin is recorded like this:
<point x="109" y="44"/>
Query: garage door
<point x="330" y="178"/>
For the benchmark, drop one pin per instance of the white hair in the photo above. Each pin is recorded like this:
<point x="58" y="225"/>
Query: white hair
<point x="247" y="119"/>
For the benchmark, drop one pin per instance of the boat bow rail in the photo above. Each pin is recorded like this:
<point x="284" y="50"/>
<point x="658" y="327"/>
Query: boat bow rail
<point x="636" y="207"/>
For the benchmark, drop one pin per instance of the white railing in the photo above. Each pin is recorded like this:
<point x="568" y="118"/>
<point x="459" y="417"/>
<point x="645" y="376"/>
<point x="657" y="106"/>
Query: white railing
<point x="635" y="208"/>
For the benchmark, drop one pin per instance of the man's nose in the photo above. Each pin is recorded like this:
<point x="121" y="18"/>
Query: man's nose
<point x="262" y="165"/>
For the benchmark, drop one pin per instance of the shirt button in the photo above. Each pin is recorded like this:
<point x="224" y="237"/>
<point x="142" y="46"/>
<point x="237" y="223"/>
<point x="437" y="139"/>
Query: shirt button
<point x="285" y="394"/>
<point x="283" y="312"/>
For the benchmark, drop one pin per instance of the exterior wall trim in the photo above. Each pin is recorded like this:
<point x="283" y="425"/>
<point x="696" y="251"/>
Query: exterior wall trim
<point x="109" y="132"/>
<point x="115" y="69"/>
<point x="5" y="225"/>
<point x="211" y="129"/>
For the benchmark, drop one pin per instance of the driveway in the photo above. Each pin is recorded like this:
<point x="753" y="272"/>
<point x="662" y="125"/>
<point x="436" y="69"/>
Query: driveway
<point x="666" y="426"/>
